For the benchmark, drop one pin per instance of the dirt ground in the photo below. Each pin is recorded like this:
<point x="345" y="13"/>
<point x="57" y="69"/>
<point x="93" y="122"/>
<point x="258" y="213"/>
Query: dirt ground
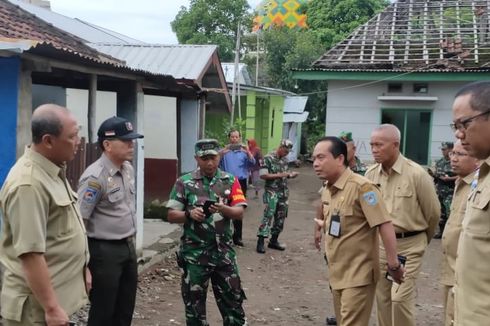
<point x="283" y="288"/>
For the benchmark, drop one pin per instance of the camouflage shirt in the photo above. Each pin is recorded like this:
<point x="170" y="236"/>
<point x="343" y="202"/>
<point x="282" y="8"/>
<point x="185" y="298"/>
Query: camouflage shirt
<point x="206" y="242"/>
<point x="443" y="168"/>
<point x="359" y="167"/>
<point x="272" y="164"/>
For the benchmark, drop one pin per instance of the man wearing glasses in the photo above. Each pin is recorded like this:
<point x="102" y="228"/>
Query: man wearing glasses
<point x="471" y="124"/>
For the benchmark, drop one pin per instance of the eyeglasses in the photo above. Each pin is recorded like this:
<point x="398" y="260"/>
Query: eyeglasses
<point x="457" y="154"/>
<point x="463" y="124"/>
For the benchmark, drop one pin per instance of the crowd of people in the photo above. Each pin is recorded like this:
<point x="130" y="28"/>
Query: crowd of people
<point x="61" y="248"/>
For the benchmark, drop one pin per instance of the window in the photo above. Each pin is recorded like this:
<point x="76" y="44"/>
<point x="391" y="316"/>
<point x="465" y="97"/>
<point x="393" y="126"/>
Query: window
<point x="395" y="87"/>
<point x="421" y="88"/>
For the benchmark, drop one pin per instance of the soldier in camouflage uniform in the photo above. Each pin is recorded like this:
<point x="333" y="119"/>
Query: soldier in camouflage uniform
<point x="205" y="201"/>
<point x="444" y="179"/>
<point x="355" y="163"/>
<point x="275" y="172"/>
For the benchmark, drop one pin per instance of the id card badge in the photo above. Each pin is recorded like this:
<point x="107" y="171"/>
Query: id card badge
<point x="334" y="228"/>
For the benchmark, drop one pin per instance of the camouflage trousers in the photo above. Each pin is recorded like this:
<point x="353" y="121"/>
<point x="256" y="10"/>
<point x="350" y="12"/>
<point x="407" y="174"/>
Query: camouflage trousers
<point x="445" y="199"/>
<point x="275" y="213"/>
<point x="227" y="290"/>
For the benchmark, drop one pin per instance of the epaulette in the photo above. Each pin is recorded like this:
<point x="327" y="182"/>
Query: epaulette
<point x="372" y="167"/>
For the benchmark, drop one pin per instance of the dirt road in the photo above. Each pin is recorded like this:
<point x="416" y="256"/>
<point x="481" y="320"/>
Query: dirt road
<point x="283" y="288"/>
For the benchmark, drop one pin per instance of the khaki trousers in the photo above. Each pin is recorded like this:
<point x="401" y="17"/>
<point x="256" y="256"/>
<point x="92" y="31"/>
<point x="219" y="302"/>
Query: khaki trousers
<point x="395" y="302"/>
<point x="448" y="305"/>
<point x="353" y="305"/>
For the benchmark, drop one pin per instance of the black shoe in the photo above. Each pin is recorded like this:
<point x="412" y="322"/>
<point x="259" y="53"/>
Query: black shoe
<point x="260" y="245"/>
<point x="238" y="242"/>
<point x="331" y="321"/>
<point x="274" y="244"/>
<point x="438" y="235"/>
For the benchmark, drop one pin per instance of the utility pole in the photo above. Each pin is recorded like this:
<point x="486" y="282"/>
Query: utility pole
<point x="235" y="77"/>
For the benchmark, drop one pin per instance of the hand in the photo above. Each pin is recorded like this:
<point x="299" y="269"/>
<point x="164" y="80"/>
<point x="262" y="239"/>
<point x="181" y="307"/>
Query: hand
<point x="56" y="317"/>
<point x="398" y="275"/>
<point x="318" y="238"/>
<point x="197" y="214"/>
<point x="445" y="178"/>
<point x="293" y="174"/>
<point x="88" y="280"/>
<point x="217" y="207"/>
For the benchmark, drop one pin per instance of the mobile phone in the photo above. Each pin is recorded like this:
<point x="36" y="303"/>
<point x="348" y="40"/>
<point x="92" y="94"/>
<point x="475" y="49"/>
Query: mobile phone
<point x="235" y="147"/>
<point x="206" y="206"/>
<point x="402" y="260"/>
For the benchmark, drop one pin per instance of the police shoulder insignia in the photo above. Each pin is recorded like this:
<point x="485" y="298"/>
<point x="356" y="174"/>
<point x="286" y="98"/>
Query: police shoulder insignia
<point x="94" y="184"/>
<point x="90" y="195"/>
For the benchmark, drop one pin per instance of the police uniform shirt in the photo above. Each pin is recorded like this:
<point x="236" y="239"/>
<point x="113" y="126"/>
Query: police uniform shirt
<point x="353" y="257"/>
<point x="472" y="304"/>
<point x="452" y="230"/>
<point x="107" y="200"/>
<point x="40" y="215"/>
<point x="409" y="195"/>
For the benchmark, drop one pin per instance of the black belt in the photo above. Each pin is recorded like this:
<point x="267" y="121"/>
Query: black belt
<point x="129" y="239"/>
<point x="407" y="234"/>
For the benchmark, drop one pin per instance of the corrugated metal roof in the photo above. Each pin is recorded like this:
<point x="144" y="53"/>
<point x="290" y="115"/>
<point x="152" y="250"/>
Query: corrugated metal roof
<point x="179" y="61"/>
<point x="88" y="32"/>
<point x="295" y="104"/>
<point x="295" y="117"/>
<point x="229" y="72"/>
<point x="483" y="70"/>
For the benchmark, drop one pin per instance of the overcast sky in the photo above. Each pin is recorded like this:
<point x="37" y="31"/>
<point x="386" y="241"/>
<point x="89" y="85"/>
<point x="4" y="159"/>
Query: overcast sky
<point x="146" y="20"/>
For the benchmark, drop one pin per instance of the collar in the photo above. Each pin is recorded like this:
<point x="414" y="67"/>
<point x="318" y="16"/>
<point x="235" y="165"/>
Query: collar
<point x="196" y="174"/>
<point x="468" y="179"/>
<point x="342" y="180"/>
<point x="397" y="167"/>
<point x="111" y="167"/>
<point x="52" y="169"/>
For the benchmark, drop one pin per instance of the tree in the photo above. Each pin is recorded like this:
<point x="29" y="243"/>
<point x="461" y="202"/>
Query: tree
<point x="212" y="22"/>
<point x="333" y="20"/>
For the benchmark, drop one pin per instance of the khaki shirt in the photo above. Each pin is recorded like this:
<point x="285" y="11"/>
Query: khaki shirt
<point x="40" y="215"/>
<point x="353" y="258"/>
<point x="107" y="200"/>
<point x="452" y="230"/>
<point x="472" y="305"/>
<point x="409" y="195"/>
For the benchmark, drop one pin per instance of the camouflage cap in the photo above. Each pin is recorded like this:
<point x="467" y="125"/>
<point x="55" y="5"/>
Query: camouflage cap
<point x="286" y="143"/>
<point x="205" y="147"/>
<point x="346" y="136"/>
<point x="447" y="145"/>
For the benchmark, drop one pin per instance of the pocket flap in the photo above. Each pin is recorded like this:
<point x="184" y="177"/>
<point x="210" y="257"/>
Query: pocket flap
<point x="12" y="305"/>
<point x="403" y="190"/>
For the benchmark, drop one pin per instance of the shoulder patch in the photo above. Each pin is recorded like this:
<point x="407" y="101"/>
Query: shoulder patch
<point x="370" y="197"/>
<point x="90" y="195"/>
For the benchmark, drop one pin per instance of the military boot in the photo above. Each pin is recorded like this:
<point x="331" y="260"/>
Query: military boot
<point x="237" y="234"/>
<point x="260" y="245"/>
<point x="274" y="244"/>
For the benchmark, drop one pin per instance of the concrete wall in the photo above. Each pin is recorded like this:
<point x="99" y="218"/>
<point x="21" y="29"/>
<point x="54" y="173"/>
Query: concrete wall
<point x="189" y="120"/>
<point x="9" y="93"/>
<point x="357" y="109"/>
<point x="77" y="102"/>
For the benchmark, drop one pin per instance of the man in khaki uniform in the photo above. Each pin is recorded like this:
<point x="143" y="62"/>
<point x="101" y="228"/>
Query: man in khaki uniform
<point x="471" y="110"/>
<point x="107" y="199"/>
<point x="43" y="245"/>
<point x="464" y="166"/>
<point x="411" y="200"/>
<point x="353" y="213"/>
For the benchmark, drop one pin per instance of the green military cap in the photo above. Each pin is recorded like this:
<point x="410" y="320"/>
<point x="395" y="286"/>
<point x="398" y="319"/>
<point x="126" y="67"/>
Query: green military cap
<point x="447" y="145"/>
<point x="346" y="136"/>
<point x="205" y="147"/>
<point x="287" y="144"/>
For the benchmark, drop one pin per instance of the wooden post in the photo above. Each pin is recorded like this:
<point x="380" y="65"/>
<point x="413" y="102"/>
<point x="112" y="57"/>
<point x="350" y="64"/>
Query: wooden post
<point x="92" y="108"/>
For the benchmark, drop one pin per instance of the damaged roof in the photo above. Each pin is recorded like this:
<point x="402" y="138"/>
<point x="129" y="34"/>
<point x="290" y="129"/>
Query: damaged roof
<point x="417" y="35"/>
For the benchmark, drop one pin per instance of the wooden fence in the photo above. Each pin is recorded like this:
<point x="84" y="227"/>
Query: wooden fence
<point x="86" y="155"/>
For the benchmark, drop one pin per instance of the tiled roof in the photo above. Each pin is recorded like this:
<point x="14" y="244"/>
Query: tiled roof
<point x="17" y="24"/>
<point x="417" y="35"/>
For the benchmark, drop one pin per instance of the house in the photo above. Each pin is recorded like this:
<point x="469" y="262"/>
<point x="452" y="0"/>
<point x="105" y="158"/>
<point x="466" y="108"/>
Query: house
<point x="178" y="117"/>
<point x="404" y="67"/>
<point x="294" y="116"/>
<point x="261" y="108"/>
<point x="35" y="54"/>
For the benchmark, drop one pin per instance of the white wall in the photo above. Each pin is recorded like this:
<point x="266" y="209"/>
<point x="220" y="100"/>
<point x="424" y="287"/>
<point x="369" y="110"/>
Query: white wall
<point x="160" y="127"/>
<point x="77" y="102"/>
<point x="357" y="109"/>
<point x="189" y="117"/>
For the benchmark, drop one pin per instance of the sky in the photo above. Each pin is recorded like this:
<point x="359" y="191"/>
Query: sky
<point x="145" y="20"/>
